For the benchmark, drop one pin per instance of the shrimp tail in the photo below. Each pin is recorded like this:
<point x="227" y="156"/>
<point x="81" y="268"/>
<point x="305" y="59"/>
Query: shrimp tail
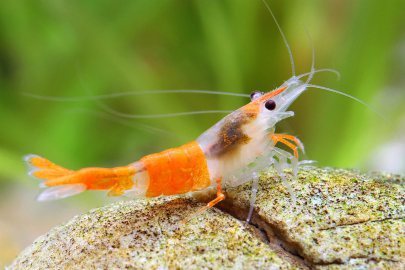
<point x="61" y="182"/>
<point x="51" y="174"/>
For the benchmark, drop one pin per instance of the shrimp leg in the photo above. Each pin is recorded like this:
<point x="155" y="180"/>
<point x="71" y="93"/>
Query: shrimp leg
<point x="220" y="197"/>
<point x="286" y="140"/>
<point x="255" y="185"/>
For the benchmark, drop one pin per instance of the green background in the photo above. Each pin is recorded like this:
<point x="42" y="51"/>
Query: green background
<point x="82" y="48"/>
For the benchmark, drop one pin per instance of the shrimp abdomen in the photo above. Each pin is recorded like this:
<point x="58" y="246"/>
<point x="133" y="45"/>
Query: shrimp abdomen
<point x="176" y="170"/>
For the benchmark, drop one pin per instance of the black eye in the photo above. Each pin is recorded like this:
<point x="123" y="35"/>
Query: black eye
<point x="255" y="94"/>
<point x="270" y="105"/>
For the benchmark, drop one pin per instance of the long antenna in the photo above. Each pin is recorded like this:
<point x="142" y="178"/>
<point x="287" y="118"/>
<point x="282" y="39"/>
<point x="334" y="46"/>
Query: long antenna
<point x="347" y="95"/>
<point x="162" y="115"/>
<point x="124" y="94"/>
<point x="284" y="38"/>
<point x="311" y="75"/>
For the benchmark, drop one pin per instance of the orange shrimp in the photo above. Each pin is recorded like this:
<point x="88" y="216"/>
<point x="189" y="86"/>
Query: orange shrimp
<point x="237" y="140"/>
<point x="230" y="153"/>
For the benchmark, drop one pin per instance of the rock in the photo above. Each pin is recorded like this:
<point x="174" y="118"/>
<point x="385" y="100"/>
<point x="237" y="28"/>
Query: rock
<point x="340" y="220"/>
<point x="148" y="234"/>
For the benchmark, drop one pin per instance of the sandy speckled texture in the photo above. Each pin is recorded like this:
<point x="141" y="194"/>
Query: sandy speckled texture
<point x="339" y="215"/>
<point x="146" y="235"/>
<point x="341" y="220"/>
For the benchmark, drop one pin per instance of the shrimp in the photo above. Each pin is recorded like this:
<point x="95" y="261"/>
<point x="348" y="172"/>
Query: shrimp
<point x="213" y="159"/>
<point x="229" y="154"/>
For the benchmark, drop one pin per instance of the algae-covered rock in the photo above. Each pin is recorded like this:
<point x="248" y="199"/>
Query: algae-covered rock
<point x="149" y="235"/>
<point x="339" y="220"/>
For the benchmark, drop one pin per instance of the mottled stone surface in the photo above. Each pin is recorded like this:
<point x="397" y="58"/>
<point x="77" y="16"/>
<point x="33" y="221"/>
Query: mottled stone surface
<point x="147" y="235"/>
<point x="340" y="220"/>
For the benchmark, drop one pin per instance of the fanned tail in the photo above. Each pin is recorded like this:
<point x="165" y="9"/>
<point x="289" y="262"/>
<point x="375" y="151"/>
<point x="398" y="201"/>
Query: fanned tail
<point x="61" y="183"/>
<point x="51" y="174"/>
<point x="42" y="168"/>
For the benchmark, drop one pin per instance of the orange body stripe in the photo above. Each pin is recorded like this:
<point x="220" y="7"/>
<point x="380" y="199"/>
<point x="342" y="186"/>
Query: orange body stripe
<point x="177" y="170"/>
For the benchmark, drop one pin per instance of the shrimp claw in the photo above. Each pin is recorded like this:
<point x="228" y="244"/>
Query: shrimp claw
<point x="286" y="140"/>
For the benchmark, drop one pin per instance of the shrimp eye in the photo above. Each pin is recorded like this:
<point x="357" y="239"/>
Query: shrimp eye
<point x="255" y="94"/>
<point x="270" y="104"/>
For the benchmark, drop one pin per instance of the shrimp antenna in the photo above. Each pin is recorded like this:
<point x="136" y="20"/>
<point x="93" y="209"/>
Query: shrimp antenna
<point x="346" y="95"/>
<point x="312" y="72"/>
<point x="110" y="110"/>
<point x="337" y="73"/>
<point x="284" y="38"/>
<point x="123" y="122"/>
<point x="130" y="93"/>
<point x="164" y="115"/>
<point x="337" y="92"/>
